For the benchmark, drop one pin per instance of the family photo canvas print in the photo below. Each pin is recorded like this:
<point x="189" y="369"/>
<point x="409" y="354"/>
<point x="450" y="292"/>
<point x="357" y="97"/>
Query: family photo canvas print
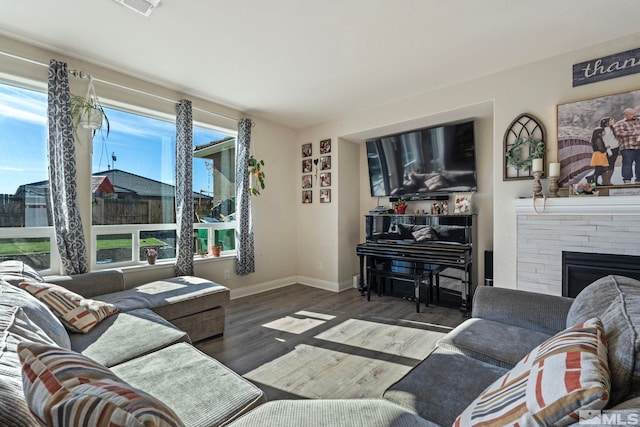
<point x="597" y="141"/>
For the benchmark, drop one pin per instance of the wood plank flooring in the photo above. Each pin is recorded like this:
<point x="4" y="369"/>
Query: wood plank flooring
<point x="300" y="342"/>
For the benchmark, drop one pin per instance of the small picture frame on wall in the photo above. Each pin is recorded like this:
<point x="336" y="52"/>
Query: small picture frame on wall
<point x="307" y="197"/>
<point x="325" y="196"/>
<point x="325" y="146"/>
<point x="307" y="181"/>
<point x="462" y="203"/>
<point x="325" y="179"/>
<point x="307" y="166"/>
<point x="306" y="150"/>
<point x="325" y="163"/>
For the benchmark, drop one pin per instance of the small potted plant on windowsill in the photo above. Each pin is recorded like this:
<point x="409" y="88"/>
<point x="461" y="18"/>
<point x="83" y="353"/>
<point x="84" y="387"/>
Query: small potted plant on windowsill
<point x="152" y="255"/>
<point x="256" y="172"/>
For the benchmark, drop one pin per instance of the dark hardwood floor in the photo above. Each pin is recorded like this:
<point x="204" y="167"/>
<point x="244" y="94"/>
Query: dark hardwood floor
<point x="300" y="342"/>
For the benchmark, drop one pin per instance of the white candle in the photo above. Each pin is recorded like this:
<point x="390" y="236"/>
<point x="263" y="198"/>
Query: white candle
<point x="554" y="169"/>
<point x="536" y="165"/>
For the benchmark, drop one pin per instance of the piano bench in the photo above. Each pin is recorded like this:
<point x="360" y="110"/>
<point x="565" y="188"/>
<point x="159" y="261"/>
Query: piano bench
<point x="415" y="277"/>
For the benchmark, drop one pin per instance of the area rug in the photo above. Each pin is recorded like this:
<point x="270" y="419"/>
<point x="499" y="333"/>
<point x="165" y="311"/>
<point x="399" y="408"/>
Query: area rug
<point x="354" y="359"/>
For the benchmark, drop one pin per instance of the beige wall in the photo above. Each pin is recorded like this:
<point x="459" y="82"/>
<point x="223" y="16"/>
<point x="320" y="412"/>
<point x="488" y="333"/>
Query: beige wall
<point x="494" y="101"/>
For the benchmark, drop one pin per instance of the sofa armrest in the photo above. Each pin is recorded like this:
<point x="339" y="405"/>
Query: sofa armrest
<point x="91" y="284"/>
<point x="529" y="310"/>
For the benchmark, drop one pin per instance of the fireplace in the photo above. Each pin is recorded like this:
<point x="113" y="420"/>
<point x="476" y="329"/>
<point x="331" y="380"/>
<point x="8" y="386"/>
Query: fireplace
<point x="579" y="269"/>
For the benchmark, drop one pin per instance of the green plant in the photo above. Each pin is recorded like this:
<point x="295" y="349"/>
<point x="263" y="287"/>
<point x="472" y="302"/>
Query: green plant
<point x="534" y="147"/>
<point x="255" y="169"/>
<point x="83" y="110"/>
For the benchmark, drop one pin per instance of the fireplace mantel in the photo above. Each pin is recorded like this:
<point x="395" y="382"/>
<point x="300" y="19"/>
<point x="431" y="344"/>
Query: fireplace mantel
<point x="580" y="205"/>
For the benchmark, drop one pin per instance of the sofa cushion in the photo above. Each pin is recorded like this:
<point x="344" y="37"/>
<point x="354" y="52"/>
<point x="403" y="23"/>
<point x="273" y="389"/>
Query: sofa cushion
<point x="171" y="298"/>
<point x="15" y="326"/>
<point x="123" y="336"/>
<point x="557" y="379"/>
<point x="440" y="387"/>
<point x="172" y="374"/>
<point x="477" y="338"/>
<point x="615" y="300"/>
<point x="331" y="413"/>
<point x="12" y="296"/>
<point x="14" y="272"/>
<point x="62" y="385"/>
<point x="76" y="313"/>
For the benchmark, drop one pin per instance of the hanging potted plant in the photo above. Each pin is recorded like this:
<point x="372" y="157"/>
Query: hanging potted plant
<point x="88" y="113"/>
<point x="257" y="175"/>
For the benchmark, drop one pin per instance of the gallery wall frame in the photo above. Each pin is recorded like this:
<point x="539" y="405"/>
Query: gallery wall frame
<point x="307" y="149"/>
<point x="325" y="146"/>
<point x="325" y="196"/>
<point x="576" y="122"/>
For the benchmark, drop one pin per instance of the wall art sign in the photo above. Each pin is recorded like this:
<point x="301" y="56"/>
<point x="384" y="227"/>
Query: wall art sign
<point x="607" y="67"/>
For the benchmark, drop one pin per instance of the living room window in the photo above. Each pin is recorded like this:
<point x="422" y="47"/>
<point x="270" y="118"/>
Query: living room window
<point x="25" y="214"/>
<point x="132" y="185"/>
<point x="133" y="199"/>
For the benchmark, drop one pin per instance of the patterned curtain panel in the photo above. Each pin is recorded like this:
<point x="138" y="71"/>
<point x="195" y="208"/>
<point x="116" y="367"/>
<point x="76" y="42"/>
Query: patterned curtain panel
<point x="244" y="232"/>
<point x="184" y="188"/>
<point x="62" y="173"/>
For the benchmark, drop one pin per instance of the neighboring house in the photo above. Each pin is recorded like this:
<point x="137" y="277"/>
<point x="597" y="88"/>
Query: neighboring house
<point x="141" y="200"/>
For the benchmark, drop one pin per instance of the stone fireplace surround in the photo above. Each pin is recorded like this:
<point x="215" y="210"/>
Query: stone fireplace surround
<point x="587" y="224"/>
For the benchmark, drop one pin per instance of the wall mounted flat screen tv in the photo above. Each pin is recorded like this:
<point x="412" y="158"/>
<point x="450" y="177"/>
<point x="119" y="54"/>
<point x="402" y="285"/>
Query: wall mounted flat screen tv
<point x="423" y="162"/>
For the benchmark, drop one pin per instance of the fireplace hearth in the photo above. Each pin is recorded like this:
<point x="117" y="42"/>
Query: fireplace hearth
<point x="579" y="269"/>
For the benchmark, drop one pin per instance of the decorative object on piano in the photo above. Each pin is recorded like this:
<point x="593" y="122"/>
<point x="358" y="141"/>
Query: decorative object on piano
<point x="576" y="124"/>
<point x="325" y="196"/>
<point x="325" y="146"/>
<point x="462" y="203"/>
<point x="400" y="206"/>
<point x="307" y="150"/>
<point x="307" y="196"/>
<point x="440" y="207"/>
<point x="523" y="142"/>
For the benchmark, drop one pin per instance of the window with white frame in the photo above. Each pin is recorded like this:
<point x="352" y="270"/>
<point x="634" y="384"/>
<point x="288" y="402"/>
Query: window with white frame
<point x="132" y="186"/>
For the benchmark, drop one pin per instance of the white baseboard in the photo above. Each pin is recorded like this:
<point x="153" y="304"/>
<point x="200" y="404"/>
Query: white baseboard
<point x="245" y="291"/>
<point x="287" y="281"/>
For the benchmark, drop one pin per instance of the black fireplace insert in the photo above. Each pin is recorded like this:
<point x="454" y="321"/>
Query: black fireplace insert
<point x="579" y="269"/>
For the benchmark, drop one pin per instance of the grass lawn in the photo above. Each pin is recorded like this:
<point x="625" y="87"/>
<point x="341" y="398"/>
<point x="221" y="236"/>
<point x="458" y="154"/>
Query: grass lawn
<point x="43" y="245"/>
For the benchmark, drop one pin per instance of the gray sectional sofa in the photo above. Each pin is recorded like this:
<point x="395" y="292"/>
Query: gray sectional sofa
<point x="143" y="346"/>
<point x="506" y="325"/>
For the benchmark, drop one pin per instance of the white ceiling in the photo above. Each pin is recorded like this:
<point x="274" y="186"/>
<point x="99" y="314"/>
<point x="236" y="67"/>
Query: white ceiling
<point x="302" y="62"/>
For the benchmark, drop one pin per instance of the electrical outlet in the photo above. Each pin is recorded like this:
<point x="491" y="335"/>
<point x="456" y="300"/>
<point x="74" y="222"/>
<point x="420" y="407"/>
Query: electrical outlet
<point x="227" y="274"/>
<point x="319" y="265"/>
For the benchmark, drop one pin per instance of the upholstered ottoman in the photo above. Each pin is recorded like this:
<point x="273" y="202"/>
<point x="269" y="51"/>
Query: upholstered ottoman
<point x="193" y="304"/>
<point x="331" y="413"/>
<point x="198" y="388"/>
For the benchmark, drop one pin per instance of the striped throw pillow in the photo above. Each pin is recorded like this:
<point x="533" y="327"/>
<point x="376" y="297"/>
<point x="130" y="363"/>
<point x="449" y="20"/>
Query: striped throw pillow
<point x="549" y="386"/>
<point x="77" y="313"/>
<point x="64" y="388"/>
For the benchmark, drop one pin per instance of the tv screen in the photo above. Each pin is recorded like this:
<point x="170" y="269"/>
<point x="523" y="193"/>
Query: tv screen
<point x="423" y="162"/>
